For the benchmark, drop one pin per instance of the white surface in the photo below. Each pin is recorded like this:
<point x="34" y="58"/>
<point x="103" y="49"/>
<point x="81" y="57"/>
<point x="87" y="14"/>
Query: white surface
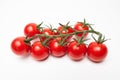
<point x="14" y="15"/>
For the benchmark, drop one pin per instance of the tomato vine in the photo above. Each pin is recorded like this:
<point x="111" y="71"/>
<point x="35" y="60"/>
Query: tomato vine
<point x="60" y="41"/>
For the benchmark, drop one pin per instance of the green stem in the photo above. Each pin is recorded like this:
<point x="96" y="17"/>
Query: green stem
<point x="46" y="40"/>
<point x="63" y="41"/>
<point x="81" y="39"/>
<point x="39" y="26"/>
<point x="63" y="35"/>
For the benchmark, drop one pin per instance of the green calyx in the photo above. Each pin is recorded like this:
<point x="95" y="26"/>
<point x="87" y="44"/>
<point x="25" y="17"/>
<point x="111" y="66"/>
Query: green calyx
<point x="81" y="40"/>
<point x="66" y="26"/>
<point x="100" y="39"/>
<point x="39" y="27"/>
<point x="87" y="24"/>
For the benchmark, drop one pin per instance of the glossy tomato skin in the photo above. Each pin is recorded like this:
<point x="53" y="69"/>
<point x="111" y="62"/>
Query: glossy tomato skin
<point x="38" y="51"/>
<point x="31" y="29"/>
<point x="76" y="51"/>
<point x="19" y="47"/>
<point x="56" y="49"/>
<point x="97" y="52"/>
<point x="48" y="32"/>
<point x="79" y="26"/>
<point x="65" y="31"/>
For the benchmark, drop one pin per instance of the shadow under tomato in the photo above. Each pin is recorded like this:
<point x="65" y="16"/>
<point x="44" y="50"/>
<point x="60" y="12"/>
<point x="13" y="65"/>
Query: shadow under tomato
<point x="77" y="60"/>
<point x="25" y="56"/>
<point x="42" y="59"/>
<point x="97" y="62"/>
<point x="58" y="56"/>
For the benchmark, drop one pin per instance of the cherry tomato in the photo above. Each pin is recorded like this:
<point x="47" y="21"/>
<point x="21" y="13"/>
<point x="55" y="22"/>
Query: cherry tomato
<point x="64" y="30"/>
<point x="97" y="51"/>
<point x="38" y="51"/>
<point x="48" y="32"/>
<point x="31" y="29"/>
<point x="76" y="51"/>
<point x="56" y="49"/>
<point x="19" y="47"/>
<point x="79" y="26"/>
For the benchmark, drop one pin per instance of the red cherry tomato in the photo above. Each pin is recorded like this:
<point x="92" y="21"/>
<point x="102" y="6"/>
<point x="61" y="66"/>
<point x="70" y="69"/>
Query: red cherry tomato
<point x="64" y="30"/>
<point x="19" y="47"/>
<point x="97" y="51"/>
<point x="76" y="51"/>
<point x="48" y="32"/>
<point x="38" y="51"/>
<point x="56" y="49"/>
<point x="31" y="29"/>
<point x="79" y="26"/>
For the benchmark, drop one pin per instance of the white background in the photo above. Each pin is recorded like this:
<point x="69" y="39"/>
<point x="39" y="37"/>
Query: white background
<point x="15" y="14"/>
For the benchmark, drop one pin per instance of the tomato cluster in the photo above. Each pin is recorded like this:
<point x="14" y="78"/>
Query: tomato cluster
<point x="40" y="42"/>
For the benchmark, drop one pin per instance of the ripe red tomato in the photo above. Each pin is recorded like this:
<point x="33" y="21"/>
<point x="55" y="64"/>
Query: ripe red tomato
<point x="19" y="47"/>
<point x="48" y="32"/>
<point x="56" y="49"/>
<point x="64" y="30"/>
<point x="38" y="51"/>
<point x="31" y="29"/>
<point x="76" y="51"/>
<point x="97" y="51"/>
<point x="79" y="26"/>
